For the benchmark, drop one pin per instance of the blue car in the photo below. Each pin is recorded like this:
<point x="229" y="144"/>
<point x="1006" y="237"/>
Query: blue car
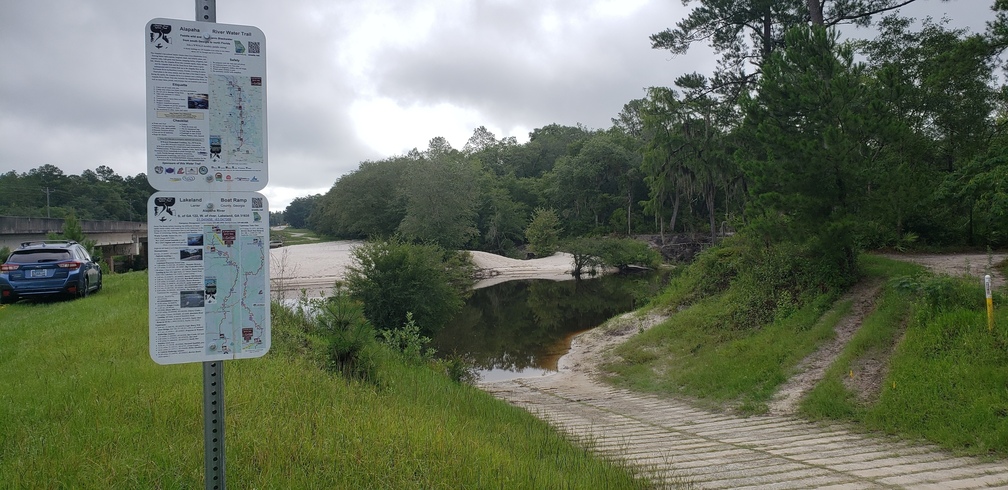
<point x="49" y="268"/>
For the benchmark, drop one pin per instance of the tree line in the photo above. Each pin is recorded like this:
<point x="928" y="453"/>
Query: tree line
<point x="892" y="141"/>
<point x="98" y="194"/>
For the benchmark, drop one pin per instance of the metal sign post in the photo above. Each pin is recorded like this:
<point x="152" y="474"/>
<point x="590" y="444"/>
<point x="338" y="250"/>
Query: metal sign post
<point x="213" y="371"/>
<point x="206" y="10"/>
<point x="213" y="424"/>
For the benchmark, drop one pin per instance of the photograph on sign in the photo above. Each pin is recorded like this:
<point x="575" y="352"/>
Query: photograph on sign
<point x="209" y="276"/>
<point x="206" y="106"/>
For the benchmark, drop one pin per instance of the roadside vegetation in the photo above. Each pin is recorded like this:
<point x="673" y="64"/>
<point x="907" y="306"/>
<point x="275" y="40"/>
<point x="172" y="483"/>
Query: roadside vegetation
<point x="83" y="406"/>
<point x="934" y="370"/>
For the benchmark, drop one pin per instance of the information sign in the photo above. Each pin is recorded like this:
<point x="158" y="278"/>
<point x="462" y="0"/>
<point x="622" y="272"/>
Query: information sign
<point x="209" y="266"/>
<point x="206" y="106"/>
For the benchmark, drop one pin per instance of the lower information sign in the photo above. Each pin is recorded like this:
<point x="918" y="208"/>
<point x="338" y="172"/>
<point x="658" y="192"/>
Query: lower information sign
<point x="209" y="276"/>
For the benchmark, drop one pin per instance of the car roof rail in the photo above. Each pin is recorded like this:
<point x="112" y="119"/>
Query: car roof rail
<point x="47" y="242"/>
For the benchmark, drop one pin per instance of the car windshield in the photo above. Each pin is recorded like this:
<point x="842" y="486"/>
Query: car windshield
<point x="38" y="256"/>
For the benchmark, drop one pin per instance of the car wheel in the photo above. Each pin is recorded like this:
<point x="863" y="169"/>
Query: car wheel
<point x="6" y="300"/>
<point x="83" y="291"/>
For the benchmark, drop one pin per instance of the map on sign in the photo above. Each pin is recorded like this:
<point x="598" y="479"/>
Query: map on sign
<point x="208" y="291"/>
<point x="234" y="268"/>
<point x="236" y="125"/>
<point x="206" y="106"/>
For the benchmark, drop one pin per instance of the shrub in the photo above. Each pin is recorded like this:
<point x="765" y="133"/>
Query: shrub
<point x="593" y="253"/>
<point x="460" y="369"/>
<point x="765" y="281"/>
<point x="941" y="293"/>
<point x="394" y="277"/>
<point x="408" y="341"/>
<point x="625" y="252"/>
<point x="72" y="231"/>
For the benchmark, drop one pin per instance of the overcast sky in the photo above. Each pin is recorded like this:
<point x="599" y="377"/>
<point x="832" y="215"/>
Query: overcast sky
<point x="348" y="80"/>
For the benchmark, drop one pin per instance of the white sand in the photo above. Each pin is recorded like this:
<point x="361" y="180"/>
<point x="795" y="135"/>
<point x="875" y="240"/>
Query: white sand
<point x="315" y="267"/>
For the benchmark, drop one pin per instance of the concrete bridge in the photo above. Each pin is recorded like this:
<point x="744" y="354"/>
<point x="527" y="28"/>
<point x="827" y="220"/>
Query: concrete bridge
<point x="112" y="237"/>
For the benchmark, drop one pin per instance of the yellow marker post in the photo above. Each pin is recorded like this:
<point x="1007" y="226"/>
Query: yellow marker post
<point x="990" y="303"/>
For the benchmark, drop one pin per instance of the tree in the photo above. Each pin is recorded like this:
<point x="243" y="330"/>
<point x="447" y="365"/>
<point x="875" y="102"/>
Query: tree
<point x="688" y="153"/>
<point x="591" y="253"/>
<point x="631" y="118"/>
<point x="72" y="231"/>
<point x="745" y="34"/>
<point x="586" y="186"/>
<point x="935" y="89"/>
<point x="481" y="140"/>
<point x="441" y="191"/>
<point x="812" y="122"/>
<point x="363" y="203"/>
<point x="300" y="209"/>
<point x="982" y="188"/>
<point x="663" y="163"/>
<point x="500" y="220"/>
<point x="543" y="232"/>
<point x="546" y="145"/>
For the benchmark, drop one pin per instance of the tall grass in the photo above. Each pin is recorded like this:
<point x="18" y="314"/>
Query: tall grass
<point x="83" y="406"/>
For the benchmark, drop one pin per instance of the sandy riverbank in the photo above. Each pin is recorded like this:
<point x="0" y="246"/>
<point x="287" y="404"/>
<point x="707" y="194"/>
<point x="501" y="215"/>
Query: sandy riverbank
<point x="315" y="267"/>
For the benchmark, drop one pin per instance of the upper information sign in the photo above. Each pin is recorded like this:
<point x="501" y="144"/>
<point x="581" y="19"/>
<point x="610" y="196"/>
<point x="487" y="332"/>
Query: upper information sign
<point x="206" y="106"/>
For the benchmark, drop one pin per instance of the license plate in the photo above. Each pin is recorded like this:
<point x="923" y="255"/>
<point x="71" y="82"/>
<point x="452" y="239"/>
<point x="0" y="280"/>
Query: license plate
<point x="37" y="273"/>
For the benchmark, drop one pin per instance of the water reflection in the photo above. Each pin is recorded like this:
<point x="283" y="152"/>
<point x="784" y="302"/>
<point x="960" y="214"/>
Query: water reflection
<point x="521" y="328"/>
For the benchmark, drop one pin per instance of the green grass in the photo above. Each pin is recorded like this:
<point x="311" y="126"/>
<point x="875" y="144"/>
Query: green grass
<point x="831" y="399"/>
<point x="946" y="374"/>
<point x="689" y="355"/>
<point x="295" y="236"/>
<point x="83" y="406"/>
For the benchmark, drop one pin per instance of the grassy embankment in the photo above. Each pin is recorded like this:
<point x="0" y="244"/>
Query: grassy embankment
<point x="294" y="236"/>
<point x="83" y="406"/>
<point x="945" y="376"/>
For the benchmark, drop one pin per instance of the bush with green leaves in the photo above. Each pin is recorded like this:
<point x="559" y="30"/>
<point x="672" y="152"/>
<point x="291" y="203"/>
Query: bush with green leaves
<point x="394" y="277"/>
<point x="460" y="368"/>
<point x="764" y="281"/>
<point x="623" y="253"/>
<point x="587" y="256"/>
<point x="4" y="253"/>
<point x="590" y="254"/>
<point x="408" y="341"/>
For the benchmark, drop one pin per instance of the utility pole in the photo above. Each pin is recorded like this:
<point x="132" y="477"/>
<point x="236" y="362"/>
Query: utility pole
<point x="47" y="189"/>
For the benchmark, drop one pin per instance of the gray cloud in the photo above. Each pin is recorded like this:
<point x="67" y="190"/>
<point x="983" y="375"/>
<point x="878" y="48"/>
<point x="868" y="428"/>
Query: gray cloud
<point x="72" y="88"/>
<point x="501" y="63"/>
